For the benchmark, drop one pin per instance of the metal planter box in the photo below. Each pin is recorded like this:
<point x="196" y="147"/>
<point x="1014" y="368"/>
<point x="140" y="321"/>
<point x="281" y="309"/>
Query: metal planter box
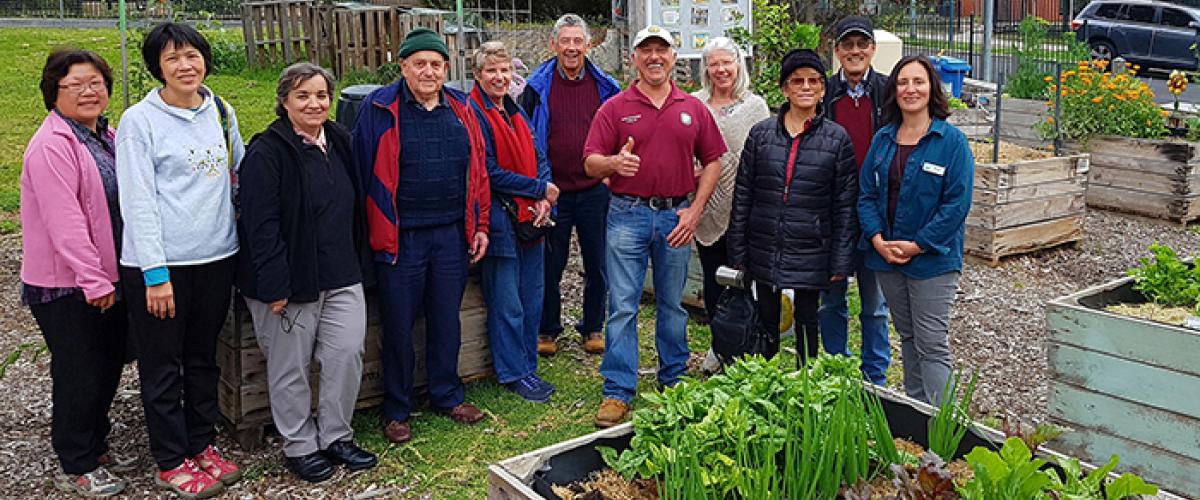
<point x="1127" y="386"/>
<point x="529" y="476"/>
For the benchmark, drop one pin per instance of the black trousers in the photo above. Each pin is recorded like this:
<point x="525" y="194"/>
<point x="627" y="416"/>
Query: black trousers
<point x="87" y="351"/>
<point x="804" y="310"/>
<point x="712" y="257"/>
<point x="177" y="357"/>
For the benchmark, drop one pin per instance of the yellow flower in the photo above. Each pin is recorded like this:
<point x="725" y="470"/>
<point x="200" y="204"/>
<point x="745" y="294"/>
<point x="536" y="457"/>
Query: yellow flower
<point x="1049" y="79"/>
<point x="1111" y="107"/>
<point x="1064" y="93"/>
<point x="1050" y="103"/>
<point x="1050" y="120"/>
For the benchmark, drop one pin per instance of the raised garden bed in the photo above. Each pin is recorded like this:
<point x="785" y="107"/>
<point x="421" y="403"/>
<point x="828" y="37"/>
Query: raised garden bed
<point x="1155" y="178"/>
<point x="1125" y="385"/>
<point x="242" y="389"/>
<point x="1027" y="201"/>
<point x="532" y="475"/>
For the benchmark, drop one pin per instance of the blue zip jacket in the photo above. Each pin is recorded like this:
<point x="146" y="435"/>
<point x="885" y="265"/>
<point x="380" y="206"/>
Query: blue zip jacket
<point x="502" y="236"/>
<point x="539" y="82"/>
<point x="935" y="199"/>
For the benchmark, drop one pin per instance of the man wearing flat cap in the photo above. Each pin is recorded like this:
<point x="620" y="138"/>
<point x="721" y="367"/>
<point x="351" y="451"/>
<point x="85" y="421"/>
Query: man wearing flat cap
<point x="855" y="99"/>
<point x="647" y="140"/>
<point x="422" y="157"/>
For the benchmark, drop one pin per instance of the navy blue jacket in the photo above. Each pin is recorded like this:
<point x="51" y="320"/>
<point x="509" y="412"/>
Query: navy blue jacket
<point x="502" y="237"/>
<point x="535" y="98"/>
<point x="935" y="198"/>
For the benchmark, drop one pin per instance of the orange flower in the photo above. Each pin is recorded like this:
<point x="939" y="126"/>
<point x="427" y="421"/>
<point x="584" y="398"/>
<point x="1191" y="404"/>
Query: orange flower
<point x="1165" y="112"/>
<point x="1049" y="79"/>
<point x="1050" y="120"/>
<point x="1097" y="99"/>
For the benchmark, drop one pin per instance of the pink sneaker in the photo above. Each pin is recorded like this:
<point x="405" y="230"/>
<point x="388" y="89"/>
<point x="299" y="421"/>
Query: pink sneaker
<point x="222" y="470"/>
<point x="188" y="481"/>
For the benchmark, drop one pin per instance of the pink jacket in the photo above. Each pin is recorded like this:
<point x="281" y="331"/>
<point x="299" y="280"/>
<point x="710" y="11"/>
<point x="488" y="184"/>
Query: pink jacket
<point x="65" y="224"/>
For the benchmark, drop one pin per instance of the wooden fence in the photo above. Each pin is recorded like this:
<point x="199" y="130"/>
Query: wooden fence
<point x="343" y="38"/>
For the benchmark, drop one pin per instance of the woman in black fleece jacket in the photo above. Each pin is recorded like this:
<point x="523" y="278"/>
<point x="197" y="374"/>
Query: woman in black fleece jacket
<point x="793" y="221"/>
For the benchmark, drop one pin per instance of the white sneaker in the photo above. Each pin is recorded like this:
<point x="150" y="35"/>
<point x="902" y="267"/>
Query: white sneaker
<point x="97" y="483"/>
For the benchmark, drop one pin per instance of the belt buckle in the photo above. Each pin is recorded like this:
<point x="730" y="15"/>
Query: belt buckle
<point x="657" y="203"/>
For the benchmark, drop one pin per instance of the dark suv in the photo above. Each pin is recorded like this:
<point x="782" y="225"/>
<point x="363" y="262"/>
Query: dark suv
<point x="1149" y="33"/>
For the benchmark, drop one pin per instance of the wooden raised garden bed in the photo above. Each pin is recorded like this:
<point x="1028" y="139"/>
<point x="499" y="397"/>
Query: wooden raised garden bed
<point x="242" y="390"/>
<point x="530" y="476"/>
<point x="1025" y="202"/>
<point x="1125" y="385"/>
<point x="1150" y="177"/>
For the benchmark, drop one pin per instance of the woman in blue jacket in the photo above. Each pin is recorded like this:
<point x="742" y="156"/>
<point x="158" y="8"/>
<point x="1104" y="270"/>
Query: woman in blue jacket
<point x="915" y="193"/>
<point x="522" y="196"/>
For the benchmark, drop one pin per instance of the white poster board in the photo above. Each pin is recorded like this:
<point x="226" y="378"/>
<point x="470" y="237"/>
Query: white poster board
<point x="693" y="22"/>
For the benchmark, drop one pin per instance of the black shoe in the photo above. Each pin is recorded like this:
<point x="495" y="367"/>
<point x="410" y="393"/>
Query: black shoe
<point x="349" y="454"/>
<point x="313" y="467"/>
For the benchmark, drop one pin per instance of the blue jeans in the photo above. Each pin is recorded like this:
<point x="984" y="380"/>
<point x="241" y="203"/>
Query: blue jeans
<point x="585" y="211"/>
<point x="637" y="233"/>
<point x="512" y="287"/>
<point x="834" y="320"/>
<point x="429" y="277"/>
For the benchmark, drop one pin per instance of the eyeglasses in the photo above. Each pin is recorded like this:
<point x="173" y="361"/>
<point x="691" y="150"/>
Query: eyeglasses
<point x="78" y="88"/>
<point x="851" y="43"/>
<point x="287" y="324"/>
<point x="800" y="81"/>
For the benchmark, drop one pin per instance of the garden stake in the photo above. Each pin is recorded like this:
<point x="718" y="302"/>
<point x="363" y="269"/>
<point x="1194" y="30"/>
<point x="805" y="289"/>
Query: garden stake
<point x="996" y="127"/>
<point x="1057" y="110"/>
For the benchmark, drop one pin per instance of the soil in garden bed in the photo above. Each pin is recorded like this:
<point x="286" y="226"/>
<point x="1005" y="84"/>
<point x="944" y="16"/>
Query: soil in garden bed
<point x="1151" y="311"/>
<point x="1009" y="152"/>
<point x="607" y="484"/>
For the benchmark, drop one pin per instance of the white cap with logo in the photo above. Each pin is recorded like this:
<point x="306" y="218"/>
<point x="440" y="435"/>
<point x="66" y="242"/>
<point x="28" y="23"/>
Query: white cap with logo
<point x="653" y="31"/>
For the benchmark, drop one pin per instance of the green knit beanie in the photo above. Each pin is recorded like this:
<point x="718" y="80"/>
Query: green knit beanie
<point x="423" y="39"/>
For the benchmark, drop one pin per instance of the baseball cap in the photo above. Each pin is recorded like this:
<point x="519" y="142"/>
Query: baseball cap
<point x="653" y="31"/>
<point x="855" y="25"/>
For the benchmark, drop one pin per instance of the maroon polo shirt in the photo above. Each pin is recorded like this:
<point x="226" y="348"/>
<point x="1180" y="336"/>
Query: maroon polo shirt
<point x="668" y="140"/>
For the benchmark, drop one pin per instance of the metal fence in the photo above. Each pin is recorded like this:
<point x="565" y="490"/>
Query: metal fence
<point x="955" y="29"/>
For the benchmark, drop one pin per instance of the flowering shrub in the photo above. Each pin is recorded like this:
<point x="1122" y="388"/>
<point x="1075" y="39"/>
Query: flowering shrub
<point x="1177" y="84"/>
<point x="1097" y="102"/>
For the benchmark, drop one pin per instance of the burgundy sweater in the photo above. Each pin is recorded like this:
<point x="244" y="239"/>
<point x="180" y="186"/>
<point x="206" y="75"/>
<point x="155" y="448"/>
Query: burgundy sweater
<point x="572" y="106"/>
<point x="856" y="118"/>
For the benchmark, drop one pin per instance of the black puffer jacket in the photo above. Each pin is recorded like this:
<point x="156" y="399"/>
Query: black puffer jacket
<point x="795" y="232"/>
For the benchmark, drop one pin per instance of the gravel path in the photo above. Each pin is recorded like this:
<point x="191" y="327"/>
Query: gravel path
<point x="998" y="327"/>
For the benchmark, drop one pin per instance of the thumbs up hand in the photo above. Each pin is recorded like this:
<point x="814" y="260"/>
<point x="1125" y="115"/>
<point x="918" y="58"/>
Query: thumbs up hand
<point x="627" y="162"/>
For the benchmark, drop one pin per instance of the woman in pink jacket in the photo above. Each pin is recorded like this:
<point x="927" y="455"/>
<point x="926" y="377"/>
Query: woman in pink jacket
<point x="69" y="214"/>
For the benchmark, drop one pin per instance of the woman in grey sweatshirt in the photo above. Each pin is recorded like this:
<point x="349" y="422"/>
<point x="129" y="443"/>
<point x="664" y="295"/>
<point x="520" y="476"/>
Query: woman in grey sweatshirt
<point x="177" y="155"/>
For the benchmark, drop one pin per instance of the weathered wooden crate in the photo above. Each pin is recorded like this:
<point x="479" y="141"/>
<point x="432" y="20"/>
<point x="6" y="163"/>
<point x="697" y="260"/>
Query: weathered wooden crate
<point x="1125" y="385"/>
<point x="1025" y="206"/>
<point x="242" y="389"/>
<point x="1150" y="177"/>
<point x="530" y="475"/>
<point x="365" y="37"/>
<point x="279" y="32"/>
<point x="1019" y="119"/>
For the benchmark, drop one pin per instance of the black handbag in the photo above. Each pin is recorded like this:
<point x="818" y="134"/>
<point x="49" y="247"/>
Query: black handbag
<point x="526" y="231"/>
<point x="737" y="329"/>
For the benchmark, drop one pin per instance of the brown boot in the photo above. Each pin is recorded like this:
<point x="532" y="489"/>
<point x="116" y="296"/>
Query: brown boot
<point x="547" y="345"/>
<point x="612" y="412"/>
<point x="464" y="413"/>
<point x="397" y="432"/>
<point x="593" y="343"/>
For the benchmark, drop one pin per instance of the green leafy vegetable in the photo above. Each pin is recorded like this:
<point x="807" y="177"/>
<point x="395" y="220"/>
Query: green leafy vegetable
<point x="1011" y="474"/>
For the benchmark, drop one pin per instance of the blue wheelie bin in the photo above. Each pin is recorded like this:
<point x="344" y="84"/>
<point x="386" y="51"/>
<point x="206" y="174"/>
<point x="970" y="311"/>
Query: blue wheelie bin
<point x="952" y="72"/>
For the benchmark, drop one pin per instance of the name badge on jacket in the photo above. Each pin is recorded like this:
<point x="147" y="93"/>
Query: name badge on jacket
<point x="934" y="169"/>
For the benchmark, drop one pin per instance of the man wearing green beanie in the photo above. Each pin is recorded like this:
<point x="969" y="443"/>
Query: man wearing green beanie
<point x="420" y="149"/>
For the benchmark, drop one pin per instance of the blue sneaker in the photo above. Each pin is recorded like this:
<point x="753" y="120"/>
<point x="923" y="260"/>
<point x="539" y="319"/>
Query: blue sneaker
<point x="529" y="389"/>
<point x="547" y="386"/>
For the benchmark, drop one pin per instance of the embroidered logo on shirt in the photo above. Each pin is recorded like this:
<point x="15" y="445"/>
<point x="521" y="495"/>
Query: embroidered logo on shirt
<point x="631" y="118"/>
<point x="685" y="118"/>
<point x="209" y="162"/>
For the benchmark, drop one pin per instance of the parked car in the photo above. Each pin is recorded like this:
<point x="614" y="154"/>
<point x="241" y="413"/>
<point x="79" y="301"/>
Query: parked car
<point x="1145" y="32"/>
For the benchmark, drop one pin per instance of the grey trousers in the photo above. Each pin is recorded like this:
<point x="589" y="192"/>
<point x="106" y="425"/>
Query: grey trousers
<point x="921" y="314"/>
<point x="329" y="331"/>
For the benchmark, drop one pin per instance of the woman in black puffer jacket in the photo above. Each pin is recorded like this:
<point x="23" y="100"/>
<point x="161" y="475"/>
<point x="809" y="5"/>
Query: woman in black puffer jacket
<point x="793" y="222"/>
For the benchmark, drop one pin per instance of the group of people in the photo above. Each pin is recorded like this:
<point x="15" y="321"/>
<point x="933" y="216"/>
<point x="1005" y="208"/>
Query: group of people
<point x="856" y="175"/>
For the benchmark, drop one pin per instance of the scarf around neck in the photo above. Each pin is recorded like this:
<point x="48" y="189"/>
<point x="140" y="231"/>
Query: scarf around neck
<point x="514" y="148"/>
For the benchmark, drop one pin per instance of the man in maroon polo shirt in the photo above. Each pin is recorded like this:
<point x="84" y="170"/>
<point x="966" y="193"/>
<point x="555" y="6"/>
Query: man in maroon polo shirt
<point x="646" y="141"/>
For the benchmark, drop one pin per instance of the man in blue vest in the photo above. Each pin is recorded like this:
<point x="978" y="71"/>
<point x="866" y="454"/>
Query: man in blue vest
<point x="561" y="97"/>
